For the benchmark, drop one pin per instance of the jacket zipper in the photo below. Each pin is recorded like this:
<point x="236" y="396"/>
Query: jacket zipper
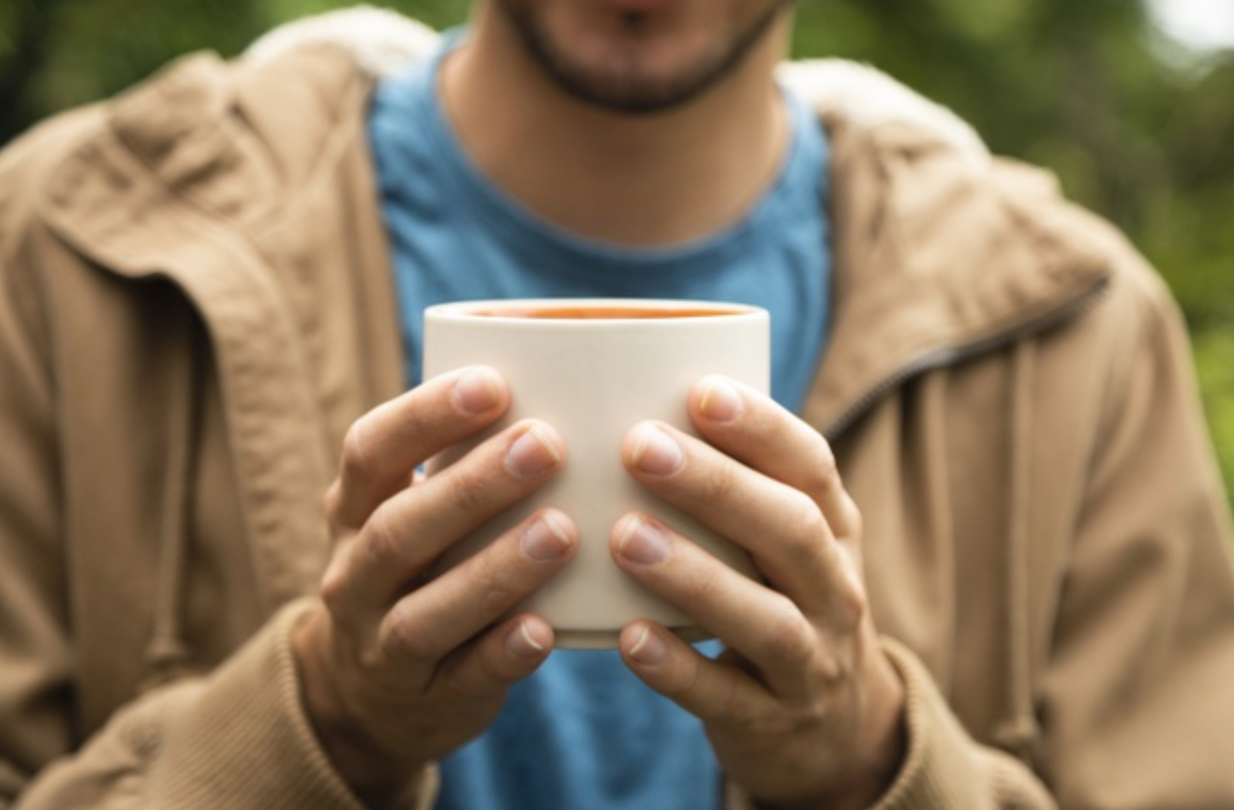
<point x="950" y="355"/>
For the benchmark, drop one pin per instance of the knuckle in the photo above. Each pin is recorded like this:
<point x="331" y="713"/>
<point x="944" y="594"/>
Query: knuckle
<point x="705" y="584"/>
<point x="471" y="491"/>
<point x="405" y="637"/>
<point x="478" y="682"/>
<point x="738" y="714"/>
<point x="854" y="521"/>
<point x="788" y="636"/>
<point x="342" y="514"/>
<point x="733" y="709"/>
<point x="495" y="588"/>
<point x="332" y="504"/>
<point x="722" y="486"/>
<point x="804" y="526"/>
<point x="831" y="672"/>
<point x="357" y="459"/>
<point x="824" y="473"/>
<point x="381" y="541"/>
<point x="689" y="681"/>
<point x="494" y="669"/>
<point x="850" y="606"/>
<point x="334" y="591"/>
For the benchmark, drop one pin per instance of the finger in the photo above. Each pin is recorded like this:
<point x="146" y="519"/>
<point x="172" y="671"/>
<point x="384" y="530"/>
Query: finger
<point x="783" y="529"/>
<point x="443" y="615"/>
<point x="383" y="448"/>
<point x="762" y="625"/>
<point x="762" y="434"/>
<point x="408" y="532"/>
<point x="499" y="658"/>
<point x="710" y="690"/>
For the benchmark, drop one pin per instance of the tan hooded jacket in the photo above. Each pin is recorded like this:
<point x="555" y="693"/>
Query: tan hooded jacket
<point x="197" y="302"/>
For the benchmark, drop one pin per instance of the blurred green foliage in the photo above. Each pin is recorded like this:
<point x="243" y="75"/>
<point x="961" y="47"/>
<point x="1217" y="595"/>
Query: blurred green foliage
<point x="1134" y="128"/>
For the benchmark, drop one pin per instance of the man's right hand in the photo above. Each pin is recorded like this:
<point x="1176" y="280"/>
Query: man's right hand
<point x="399" y="669"/>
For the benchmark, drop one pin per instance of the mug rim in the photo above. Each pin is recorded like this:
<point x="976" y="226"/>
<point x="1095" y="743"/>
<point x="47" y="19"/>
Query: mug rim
<point x="490" y="310"/>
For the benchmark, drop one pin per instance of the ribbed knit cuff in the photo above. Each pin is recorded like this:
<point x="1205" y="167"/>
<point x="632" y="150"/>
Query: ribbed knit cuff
<point x="943" y="768"/>
<point x="243" y="741"/>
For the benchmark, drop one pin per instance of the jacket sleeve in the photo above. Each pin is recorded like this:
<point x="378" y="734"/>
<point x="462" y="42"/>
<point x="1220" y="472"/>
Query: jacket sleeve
<point x="236" y="737"/>
<point x="35" y="659"/>
<point x="1135" y="695"/>
<point x="1137" y="700"/>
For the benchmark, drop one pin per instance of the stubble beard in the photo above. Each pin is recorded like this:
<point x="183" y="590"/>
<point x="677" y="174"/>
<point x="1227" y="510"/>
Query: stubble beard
<point x="625" y="86"/>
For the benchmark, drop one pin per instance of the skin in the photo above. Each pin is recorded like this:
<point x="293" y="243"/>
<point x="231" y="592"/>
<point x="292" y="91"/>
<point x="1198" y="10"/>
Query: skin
<point x="803" y="709"/>
<point x="400" y="666"/>
<point x="633" y="179"/>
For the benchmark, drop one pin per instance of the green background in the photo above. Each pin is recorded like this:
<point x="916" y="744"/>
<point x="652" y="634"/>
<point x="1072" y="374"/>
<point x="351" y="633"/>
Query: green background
<point x="1137" y="127"/>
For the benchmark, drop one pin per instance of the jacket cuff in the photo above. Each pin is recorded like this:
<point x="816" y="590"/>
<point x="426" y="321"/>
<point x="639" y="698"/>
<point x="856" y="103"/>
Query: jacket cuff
<point x="943" y="768"/>
<point x="243" y="739"/>
<point x="939" y="768"/>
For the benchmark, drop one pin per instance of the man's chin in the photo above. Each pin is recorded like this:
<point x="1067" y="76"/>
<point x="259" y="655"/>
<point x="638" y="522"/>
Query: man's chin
<point x="634" y="72"/>
<point x="631" y="96"/>
<point x="637" y="67"/>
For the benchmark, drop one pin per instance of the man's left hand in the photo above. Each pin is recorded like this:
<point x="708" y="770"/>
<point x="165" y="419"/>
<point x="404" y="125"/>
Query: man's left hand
<point x="803" y="708"/>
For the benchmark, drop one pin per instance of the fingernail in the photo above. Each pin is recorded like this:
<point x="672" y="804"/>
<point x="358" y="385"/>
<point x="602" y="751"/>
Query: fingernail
<point x="532" y="453"/>
<point x="522" y="643"/>
<point x="545" y="540"/>
<point x="643" y="543"/>
<point x="721" y="401"/>
<point x="655" y="452"/>
<point x="648" y="649"/>
<point x="475" y="392"/>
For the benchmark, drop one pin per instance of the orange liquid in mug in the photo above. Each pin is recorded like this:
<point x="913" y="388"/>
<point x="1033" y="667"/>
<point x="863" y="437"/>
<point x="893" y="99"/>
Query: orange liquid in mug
<point x="604" y="313"/>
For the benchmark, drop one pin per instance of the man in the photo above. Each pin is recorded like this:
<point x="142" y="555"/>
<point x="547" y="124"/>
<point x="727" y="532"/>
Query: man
<point x="995" y="547"/>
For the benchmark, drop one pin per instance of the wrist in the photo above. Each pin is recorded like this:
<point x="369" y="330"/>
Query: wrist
<point x="377" y="779"/>
<point x="878" y="753"/>
<point x="883" y="747"/>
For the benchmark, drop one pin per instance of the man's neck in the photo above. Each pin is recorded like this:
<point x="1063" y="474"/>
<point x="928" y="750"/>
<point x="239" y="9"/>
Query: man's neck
<point x="635" y="179"/>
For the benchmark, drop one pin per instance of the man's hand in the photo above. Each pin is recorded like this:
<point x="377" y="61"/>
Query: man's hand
<point x="803" y="708"/>
<point x="399" y="668"/>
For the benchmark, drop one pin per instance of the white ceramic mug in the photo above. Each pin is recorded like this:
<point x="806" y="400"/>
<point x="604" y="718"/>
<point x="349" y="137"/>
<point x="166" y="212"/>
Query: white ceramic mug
<point x="594" y="368"/>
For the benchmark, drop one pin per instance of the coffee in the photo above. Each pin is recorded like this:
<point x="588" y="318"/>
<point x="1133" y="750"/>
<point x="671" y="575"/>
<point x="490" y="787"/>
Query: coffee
<point x="577" y="313"/>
